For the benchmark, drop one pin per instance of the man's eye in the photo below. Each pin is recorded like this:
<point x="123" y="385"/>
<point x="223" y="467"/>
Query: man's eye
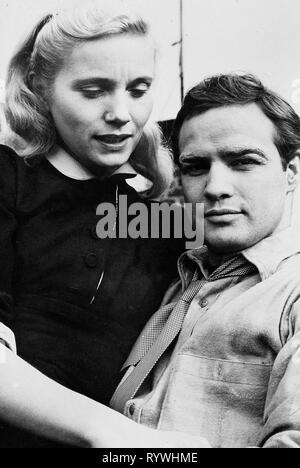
<point x="244" y="162"/>
<point x="193" y="169"/>
<point x="92" y="93"/>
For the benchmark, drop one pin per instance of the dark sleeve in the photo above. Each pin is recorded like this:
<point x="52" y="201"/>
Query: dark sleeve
<point x="8" y="224"/>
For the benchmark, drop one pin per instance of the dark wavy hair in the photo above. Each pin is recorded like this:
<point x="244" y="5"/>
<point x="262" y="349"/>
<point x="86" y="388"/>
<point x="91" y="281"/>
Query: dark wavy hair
<point x="235" y="89"/>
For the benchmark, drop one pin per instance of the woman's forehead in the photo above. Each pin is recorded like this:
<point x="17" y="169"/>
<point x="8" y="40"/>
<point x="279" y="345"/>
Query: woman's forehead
<point x="111" y="56"/>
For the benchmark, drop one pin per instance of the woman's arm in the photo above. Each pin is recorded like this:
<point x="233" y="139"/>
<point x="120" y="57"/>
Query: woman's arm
<point x="32" y="401"/>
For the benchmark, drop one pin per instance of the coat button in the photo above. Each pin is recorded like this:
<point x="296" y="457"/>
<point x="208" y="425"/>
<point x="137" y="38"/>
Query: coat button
<point x="91" y="260"/>
<point x="203" y="303"/>
<point x="93" y="232"/>
<point x="131" y="409"/>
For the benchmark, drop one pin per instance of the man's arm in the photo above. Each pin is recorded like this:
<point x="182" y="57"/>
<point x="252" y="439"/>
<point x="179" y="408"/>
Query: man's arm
<point x="282" y="409"/>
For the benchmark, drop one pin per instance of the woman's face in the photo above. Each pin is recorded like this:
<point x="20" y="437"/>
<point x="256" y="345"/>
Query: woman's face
<point x="102" y="98"/>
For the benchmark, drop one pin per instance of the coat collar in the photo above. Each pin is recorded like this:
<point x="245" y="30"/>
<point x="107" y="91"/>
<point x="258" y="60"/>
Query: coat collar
<point x="68" y="166"/>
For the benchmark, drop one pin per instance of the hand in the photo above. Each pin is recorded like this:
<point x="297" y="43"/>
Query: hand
<point x="128" y="434"/>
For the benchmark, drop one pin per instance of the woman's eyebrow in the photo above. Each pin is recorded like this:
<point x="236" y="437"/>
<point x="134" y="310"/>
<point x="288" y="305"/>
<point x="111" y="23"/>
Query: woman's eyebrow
<point x="108" y="83"/>
<point x="103" y="82"/>
<point x="142" y="79"/>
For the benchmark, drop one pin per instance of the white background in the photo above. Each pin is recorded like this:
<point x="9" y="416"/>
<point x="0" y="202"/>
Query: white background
<point x="258" y="36"/>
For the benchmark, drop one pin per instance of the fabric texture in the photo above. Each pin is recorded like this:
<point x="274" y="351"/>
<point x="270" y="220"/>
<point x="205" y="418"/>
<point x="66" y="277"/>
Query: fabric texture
<point x="232" y="375"/>
<point x="75" y="303"/>
<point x="159" y="334"/>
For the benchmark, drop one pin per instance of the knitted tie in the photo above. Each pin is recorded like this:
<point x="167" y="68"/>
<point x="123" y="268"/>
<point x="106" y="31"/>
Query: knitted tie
<point x="164" y="327"/>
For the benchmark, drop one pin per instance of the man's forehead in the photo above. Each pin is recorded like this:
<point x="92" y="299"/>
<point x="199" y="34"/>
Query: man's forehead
<point x="227" y="126"/>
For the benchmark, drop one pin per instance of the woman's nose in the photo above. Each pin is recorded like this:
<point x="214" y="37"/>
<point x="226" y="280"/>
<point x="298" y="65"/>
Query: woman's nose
<point x="219" y="183"/>
<point x="117" y="112"/>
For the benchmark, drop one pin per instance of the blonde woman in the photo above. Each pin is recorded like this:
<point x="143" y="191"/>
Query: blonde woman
<point x="79" y="93"/>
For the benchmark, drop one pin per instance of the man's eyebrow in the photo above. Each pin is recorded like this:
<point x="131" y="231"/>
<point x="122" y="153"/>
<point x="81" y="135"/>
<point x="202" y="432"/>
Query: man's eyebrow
<point x="240" y="152"/>
<point x="191" y="156"/>
<point x="225" y="154"/>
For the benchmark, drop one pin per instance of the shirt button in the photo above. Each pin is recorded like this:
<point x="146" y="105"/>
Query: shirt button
<point x="131" y="409"/>
<point x="203" y="303"/>
<point x="91" y="260"/>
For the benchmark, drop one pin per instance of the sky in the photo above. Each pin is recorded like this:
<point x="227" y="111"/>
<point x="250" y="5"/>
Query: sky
<point x="257" y="36"/>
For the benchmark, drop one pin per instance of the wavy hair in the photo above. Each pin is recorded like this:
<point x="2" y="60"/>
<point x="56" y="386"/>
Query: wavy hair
<point x="42" y="53"/>
<point x="242" y="89"/>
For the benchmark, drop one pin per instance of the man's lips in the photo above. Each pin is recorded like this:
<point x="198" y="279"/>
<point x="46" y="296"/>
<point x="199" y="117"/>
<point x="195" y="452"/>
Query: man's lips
<point x="221" y="212"/>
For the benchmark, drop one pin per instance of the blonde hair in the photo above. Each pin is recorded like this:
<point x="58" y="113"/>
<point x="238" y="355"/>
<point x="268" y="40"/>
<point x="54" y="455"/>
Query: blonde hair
<point x="43" y="52"/>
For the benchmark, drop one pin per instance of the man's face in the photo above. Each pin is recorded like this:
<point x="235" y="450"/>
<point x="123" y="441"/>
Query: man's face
<point x="230" y="163"/>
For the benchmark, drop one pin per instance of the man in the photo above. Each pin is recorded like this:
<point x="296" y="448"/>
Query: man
<point x="222" y="359"/>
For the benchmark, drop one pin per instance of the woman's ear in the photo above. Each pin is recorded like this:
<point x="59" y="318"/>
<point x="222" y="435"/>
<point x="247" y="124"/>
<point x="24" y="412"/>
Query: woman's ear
<point x="38" y="88"/>
<point x="293" y="171"/>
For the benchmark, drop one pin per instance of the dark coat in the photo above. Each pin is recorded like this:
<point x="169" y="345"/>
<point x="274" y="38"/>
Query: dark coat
<point x="51" y="261"/>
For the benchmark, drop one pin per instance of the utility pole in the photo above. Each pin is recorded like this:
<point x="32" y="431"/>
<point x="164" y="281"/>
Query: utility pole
<point x="181" y="52"/>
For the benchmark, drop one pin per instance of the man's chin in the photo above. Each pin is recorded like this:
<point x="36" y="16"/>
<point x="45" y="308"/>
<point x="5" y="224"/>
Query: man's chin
<point x="226" y="246"/>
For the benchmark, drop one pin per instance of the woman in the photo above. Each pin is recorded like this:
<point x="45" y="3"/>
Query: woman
<point x="79" y="94"/>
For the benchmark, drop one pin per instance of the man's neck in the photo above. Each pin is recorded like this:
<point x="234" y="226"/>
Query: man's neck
<point x="215" y="260"/>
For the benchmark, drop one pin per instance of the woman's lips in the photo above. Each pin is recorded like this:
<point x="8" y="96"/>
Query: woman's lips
<point x="113" y="142"/>
<point x="112" y="139"/>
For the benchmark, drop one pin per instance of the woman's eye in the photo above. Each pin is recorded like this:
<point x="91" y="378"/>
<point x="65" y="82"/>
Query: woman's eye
<point x="139" y="91"/>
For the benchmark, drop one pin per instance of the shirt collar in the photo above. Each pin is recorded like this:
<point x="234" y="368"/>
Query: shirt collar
<point x="70" y="167"/>
<point x="266" y="255"/>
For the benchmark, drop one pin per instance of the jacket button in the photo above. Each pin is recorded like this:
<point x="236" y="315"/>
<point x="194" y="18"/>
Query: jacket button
<point x="131" y="409"/>
<point x="91" y="260"/>
<point x="93" y="232"/>
<point x="203" y="303"/>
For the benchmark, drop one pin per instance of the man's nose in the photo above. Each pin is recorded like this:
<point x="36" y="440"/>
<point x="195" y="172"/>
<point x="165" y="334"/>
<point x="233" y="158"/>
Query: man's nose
<point x="219" y="183"/>
<point x="117" y="111"/>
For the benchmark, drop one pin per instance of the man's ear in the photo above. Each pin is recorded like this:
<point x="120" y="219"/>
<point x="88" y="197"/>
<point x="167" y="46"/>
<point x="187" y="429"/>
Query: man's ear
<point x="293" y="172"/>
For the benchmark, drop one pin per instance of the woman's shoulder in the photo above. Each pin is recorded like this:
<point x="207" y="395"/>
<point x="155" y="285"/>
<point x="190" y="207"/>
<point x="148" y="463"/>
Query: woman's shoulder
<point x="8" y="175"/>
<point x="14" y="173"/>
<point x="9" y="161"/>
<point x="7" y="155"/>
<point x="12" y="165"/>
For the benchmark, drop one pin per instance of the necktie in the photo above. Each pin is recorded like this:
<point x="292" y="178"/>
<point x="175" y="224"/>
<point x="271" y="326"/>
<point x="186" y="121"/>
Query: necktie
<point x="164" y="327"/>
